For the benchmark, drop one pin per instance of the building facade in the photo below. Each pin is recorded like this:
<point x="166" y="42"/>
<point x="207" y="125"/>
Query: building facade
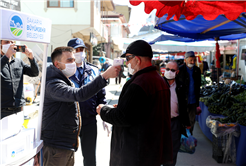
<point x="70" y="19"/>
<point x="118" y="28"/>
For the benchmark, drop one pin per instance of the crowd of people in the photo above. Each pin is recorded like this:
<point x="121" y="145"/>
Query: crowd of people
<point x="151" y="114"/>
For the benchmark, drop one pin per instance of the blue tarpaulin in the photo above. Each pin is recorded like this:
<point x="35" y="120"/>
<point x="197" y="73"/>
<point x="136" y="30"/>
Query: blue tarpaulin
<point x="201" y="29"/>
<point x="173" y="38"/>
<point x="186" y="39"/>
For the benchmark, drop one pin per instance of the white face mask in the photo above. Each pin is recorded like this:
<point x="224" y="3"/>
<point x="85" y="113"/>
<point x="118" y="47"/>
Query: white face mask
<point x="70" y="69"/>
<point x="190" y="65"/>
<point x="79" y="57"/>
<point x="5" y="48"/>
<point x="131" y="71"/>
<point x="170" y="75"/>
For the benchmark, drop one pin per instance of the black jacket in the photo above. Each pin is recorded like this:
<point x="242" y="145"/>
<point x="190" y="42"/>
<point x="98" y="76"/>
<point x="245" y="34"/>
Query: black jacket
<point x="183" y="76"/>
<point x="141" y="122"/>
<point x="88" y="107"/>
<point x="12" y="80"/>
<point x="105" y="66"/>
<point x="61" y="119"/>
<point x="182" y="105"/>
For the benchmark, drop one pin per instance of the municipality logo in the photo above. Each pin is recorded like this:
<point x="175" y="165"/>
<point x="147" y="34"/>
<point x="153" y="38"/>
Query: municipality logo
<point x="13" y="154"/>
<point x="16" y="26"/>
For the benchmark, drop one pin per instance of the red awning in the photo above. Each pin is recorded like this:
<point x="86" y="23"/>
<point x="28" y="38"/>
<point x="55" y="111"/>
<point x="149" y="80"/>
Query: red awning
<point x="208" y="9"/>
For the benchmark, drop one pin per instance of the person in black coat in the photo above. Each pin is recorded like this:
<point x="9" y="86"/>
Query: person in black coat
<point x="120" y="75"/>
<point x="12" y="74"/>
<point x="61" y="120"/>
<point x="179" y="115"/>
<point x="105" y="66"/>
<point x="190" y="75"/>
<point x="141" y="133"/>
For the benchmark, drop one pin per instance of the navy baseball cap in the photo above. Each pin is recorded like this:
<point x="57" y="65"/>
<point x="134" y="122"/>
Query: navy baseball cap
<point x="139" y="48"/>
<point x="189" y="54"/>
<point x="76" y="42"/>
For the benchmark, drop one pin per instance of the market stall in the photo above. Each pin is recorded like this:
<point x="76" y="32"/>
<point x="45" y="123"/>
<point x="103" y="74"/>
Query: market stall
<point x="228" y="104"/>
<point x="19" y="145"/>
<point x="240" y="141"/>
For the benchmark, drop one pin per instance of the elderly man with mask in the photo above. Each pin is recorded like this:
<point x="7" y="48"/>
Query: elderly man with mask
<point x="141" y="133"/>
<point x="179" y="114"/>
<point x="12" y="70"/>
<point x="61" y="121"/>
<point x="85" y="73"/>
<point x="190" y="75"/>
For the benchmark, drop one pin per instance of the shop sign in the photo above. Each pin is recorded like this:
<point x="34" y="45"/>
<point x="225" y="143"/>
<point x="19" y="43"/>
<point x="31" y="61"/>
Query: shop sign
<point x="10" y="4"/>
<point x="163" y="70"/>
<point x="24" y="27"/>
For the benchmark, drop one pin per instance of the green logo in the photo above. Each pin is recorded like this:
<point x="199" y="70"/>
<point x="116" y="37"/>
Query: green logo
<point x="13" y="154"/>
<point x="16" y="26"/>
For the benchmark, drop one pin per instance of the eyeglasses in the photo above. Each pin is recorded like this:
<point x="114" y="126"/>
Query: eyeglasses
<point x="129" y="57"/>
<point x="172" y="70"/>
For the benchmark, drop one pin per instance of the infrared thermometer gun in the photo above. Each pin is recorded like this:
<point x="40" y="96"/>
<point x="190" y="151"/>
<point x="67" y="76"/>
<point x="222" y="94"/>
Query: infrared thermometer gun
<point x="118" y="62"/>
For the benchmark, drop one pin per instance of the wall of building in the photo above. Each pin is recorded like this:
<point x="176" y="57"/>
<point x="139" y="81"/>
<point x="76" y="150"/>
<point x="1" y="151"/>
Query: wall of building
<point x="116" y="29"/>
<point x="125" y="10"/>
<point x="97" y="16"/>
<point x="65" y="21"/>
<point x="80" y="14"/>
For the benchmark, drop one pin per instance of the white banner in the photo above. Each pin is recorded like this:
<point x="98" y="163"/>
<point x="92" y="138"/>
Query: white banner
<point x="20" y="26"/>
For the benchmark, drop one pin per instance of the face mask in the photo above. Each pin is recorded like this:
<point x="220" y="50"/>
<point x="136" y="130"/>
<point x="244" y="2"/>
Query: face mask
<point x="170" y="75"/>
<point x="79" y="57"/>
<point x="131" y="71"/>
<point x="70" y="69"/>
<point x="190" y="65"/>
<point x="5" y="48"/>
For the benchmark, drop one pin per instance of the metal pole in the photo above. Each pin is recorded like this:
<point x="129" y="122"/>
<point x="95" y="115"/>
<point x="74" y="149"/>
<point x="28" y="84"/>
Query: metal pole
<point x="41" y="103"/>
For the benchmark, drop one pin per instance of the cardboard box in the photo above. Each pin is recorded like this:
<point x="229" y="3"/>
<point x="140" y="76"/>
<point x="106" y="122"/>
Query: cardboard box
<point x="11" y="125"/>
<point x="16" y="146"/>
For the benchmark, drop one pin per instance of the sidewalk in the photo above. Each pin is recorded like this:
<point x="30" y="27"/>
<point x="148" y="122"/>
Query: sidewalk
<point x="103" y="141"/>
<point x="203" y="153"/>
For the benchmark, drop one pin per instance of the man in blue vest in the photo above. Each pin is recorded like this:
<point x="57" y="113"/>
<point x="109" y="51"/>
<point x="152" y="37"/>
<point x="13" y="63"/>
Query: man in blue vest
<point x="85" y="73"/>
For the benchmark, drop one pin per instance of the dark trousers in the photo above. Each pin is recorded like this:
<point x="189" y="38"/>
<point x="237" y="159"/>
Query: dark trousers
<point x="116" y="80"/>
<point x="176" y="135"/>
<point x="191" y="108"/>
<point x="55" y="156"/>
<point x="88" y="138"/>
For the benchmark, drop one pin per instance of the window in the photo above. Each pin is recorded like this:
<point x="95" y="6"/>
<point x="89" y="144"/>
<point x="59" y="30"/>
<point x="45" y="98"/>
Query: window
<point x="61" y="3"/>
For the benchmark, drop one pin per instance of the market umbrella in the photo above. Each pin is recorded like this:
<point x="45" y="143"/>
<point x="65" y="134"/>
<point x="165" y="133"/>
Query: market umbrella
<point x="199" y="28"/>
<point x="180" y="46"/>
<point x="163" y="37"/>
<point x="191" y="9"/>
